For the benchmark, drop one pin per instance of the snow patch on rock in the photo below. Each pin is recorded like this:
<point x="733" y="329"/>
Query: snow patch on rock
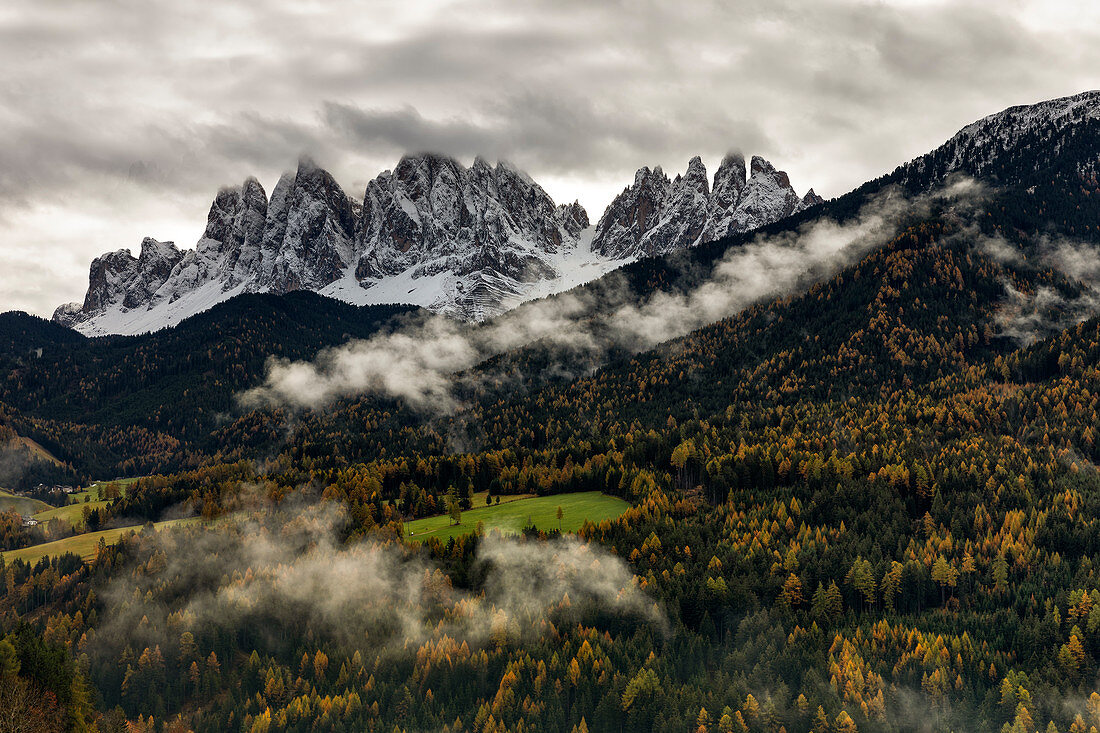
<point x="466" y="242"/>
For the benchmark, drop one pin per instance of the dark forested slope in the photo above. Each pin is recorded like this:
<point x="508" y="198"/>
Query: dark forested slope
<point x="872" y="504"/>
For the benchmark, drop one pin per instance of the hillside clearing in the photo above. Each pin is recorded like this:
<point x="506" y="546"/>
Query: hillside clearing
<point x="95" y="490"/>
<point x="509" y="517"/>
<point x="37" y="450"/>
<point x="21" y="504"/>
<point x="71" y="513"/>
<point x="84" y="545"/>
<point x="91" y="497"/>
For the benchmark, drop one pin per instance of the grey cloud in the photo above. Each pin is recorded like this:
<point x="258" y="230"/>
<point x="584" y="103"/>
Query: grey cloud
<point x="1027" y="317"/>
<point x="202" y="95"/>
<point x="554" y="134"/>
<point x="407" y="129"/>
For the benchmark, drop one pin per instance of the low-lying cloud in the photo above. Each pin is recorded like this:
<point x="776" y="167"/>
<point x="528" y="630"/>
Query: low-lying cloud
<point x="419" y="363"/>
<point x="287" y="572"/>
<point x="1028" y="317"/>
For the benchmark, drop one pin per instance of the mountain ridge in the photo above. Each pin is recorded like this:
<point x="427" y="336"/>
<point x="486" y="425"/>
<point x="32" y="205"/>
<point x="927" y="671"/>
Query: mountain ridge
<point x="860" y="496"/>
<point x="465" y="242"/>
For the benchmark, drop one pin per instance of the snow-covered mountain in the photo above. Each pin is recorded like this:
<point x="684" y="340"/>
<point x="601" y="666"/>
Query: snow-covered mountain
<point x="655" y="215"/>
<point x="980" y="146"/>
<point x="484" y="233"/>
<point x="467" y="242"/>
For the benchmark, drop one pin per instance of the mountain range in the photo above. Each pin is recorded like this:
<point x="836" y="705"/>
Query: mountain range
<point x="474" y="242"/>
<point x="847" y="495"/>
<point x="466" y="242"/>
<point x="1037" y="158"/>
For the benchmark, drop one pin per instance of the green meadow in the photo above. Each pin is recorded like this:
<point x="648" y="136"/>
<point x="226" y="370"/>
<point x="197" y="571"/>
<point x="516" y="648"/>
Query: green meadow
<point x="83" y="544"/>
<point x="509" y="517"/>
<point x="21" y="504"/>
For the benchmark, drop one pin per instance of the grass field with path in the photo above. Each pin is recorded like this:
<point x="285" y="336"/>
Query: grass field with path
<point x="509" y="516"/>
<point x="84" y="544"/>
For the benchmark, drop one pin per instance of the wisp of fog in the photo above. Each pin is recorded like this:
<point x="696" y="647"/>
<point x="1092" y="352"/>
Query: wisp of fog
<point x="419" y="362"/>
<point x="1028" y="317"/>
<point x="283" y="572"/>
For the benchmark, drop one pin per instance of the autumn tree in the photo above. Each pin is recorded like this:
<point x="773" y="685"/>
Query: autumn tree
<point x="861" y="578"/>
<point x="945" y="574"/>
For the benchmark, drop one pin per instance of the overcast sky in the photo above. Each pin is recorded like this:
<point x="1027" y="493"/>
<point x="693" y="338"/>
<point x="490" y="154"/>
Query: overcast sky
<point x="120" y="120"/>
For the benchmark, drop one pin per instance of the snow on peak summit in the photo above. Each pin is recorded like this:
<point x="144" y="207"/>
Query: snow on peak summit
<point x="467" y="242"/>
<point x="489" y="230"/>
<point x="975" y="148"/>
<point x="656" y="215"/>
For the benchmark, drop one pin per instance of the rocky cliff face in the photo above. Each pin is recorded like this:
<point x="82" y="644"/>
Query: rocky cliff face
<point x="120" y="279"/>
<point x="655" y="216"/>
<point x="234" y="230"/>
<point x="467" y="242"/>
<point x="491" y="229"/>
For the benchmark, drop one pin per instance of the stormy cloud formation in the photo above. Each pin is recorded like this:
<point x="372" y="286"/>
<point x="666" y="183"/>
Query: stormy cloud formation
<point x="121" y="119"/>
<point x="283" y="572"/>
<point x="419" y="363"/>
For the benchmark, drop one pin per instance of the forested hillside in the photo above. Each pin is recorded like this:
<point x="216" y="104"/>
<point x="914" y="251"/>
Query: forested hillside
<point x="60" y="384"/>
<point x="869" y="504"/>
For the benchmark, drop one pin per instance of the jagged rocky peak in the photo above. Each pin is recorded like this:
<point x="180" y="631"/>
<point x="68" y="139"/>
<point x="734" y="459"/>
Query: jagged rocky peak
<point x="760" y="167"/>
<point x="469" y="242"/>
<point x="120" y="279"/>
<point x="237" y="214"/>
<point x="694" y="178"/>
<point x="462" y="241"/>
<point x="433" y="214"/>
<point x="811" y="199"/>
<point x="573" y="217"/>
<point x="318" y="242"/>
<point x="656" y="216"/>
<point x="407" y="211"/>
<point x="625" y="226"/>
<point x="107" y="278"/>
<point x="729" y="182"/>
<point x="767" y="197"/>
<point x="235" y="229"/>
<point x="683" y="218"/>
<point x="492" y="229"/>
<point x="156" y="259"/>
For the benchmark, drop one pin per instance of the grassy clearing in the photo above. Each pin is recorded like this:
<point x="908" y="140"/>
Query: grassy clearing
<point x="509" y="516"/>
<point x="94" y="490"/>
<point x="479" y="498"/>
<point x="21" y="504"/>
<point x="84" y="544"/>
<point x="71" y="513"/>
